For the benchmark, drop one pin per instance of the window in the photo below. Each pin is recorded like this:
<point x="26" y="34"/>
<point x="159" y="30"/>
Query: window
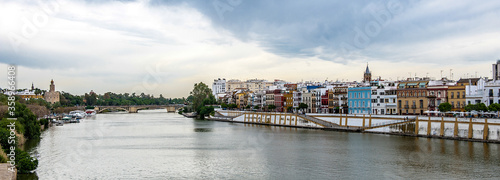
<point x="458" y="95"/>
<point x="452" y="94"/>
<point x="452" y="104"/>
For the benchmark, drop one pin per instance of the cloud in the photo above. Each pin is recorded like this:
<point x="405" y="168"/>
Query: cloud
<point x="157" y="46"/>
<point x="356" y="30"/>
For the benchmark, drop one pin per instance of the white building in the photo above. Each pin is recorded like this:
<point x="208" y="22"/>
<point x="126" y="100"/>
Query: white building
<point x="492" y="93"/>
<point x="219" y="86"/>
<point x="384" y="98"/>
<point x="475" y="94"/>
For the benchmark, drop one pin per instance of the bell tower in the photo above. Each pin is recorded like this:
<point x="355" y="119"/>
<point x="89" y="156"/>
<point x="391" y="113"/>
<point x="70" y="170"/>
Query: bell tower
<point x="368" y="75"/>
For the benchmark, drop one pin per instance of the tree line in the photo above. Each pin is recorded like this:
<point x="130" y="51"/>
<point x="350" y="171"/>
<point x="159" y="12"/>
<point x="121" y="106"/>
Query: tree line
<point x="114" y="99"/>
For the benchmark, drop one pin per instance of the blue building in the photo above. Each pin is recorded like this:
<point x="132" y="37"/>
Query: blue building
<point x="359" y="100"/>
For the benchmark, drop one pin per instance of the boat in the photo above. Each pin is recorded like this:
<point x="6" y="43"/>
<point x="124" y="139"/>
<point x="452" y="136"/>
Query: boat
<point x="78" y="114"/>
<point x="59" y="123"/>
<point x="90" y="112"/>
<point x="66" y="119"/>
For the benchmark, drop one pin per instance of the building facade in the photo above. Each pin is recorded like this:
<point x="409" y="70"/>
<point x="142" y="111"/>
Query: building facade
<point x="384" y="98"/>
<point x="219" y="86"/>
<point x="412" y="97"/>
<point x="359" y="100"/>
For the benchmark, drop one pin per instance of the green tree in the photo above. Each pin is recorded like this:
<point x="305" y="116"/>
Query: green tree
<point x="199" y="93"/>
<point x="289" y="109"/>
<point x="24" y="162"/>
<point x="205" y="111"/>
<point x="232" y="106"/>
<point x="271" y="107"/>
<point x="444" y="107"/>
<point x="470" y="107"/>
<point x="256" y="107"/>
<point x="303" y="106"/>
<point x="248" y="107"/>
<point x="494" y="107"/>
<point x="481" y="107"/>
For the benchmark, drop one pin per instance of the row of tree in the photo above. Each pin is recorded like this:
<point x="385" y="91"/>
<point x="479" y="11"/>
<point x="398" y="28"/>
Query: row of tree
<point x="108" y="99"/>
<point x="481" y="107"/>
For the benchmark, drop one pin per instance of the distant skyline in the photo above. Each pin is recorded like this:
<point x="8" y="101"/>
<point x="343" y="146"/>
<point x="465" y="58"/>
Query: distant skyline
<point x="164" y="47"/>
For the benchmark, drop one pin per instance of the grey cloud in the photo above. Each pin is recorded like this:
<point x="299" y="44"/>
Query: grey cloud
<point x="287" y="28"/>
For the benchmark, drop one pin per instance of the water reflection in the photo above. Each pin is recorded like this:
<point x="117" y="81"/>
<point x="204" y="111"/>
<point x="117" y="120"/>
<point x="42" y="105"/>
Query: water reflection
<point x="202" y="129"/>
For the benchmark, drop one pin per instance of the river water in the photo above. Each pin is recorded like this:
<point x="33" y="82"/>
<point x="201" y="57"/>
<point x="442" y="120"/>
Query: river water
<point x="154" y="144"/>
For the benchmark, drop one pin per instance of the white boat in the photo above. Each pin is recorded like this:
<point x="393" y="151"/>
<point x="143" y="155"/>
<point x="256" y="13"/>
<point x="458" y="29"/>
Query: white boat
<point x="66" y="119"/>
<point x="78" y="114"/>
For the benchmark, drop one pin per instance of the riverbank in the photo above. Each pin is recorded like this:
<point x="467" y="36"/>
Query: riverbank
<point x="6" y="174"/>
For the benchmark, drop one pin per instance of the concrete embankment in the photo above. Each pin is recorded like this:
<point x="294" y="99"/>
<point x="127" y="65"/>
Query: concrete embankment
<point x="463" y="129"/>
<point x="5" y="173"/>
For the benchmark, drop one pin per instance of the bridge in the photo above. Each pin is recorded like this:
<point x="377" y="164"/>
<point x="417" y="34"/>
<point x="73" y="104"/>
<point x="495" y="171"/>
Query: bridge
<point x="136" y="108"/>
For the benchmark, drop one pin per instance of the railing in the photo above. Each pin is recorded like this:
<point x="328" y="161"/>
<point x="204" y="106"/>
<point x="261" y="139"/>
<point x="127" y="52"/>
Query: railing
<point x="382" y="124"/>
<point x="319" y="121"/>
<point x="407" y="107"/>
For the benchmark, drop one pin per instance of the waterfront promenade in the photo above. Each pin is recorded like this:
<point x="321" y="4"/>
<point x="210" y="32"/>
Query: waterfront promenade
<point x="468" y="129"/>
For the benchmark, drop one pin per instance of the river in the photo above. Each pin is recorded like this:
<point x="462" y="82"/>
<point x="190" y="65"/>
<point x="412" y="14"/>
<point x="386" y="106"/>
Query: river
<point x="154" y="144"/>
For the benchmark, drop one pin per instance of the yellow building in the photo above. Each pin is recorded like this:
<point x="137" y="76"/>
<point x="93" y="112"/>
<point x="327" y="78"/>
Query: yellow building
<point x="412" y="97"/>
<point x="331" y="100"/>
<point x="288" y="100"/>
<point x="27" y="94"/>
<point x="456" y="94"/>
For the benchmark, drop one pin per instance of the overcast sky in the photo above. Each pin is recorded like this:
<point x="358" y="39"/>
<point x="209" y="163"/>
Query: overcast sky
<point x="164" y="47"/>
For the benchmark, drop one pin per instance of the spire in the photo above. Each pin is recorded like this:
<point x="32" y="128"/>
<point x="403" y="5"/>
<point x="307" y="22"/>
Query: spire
<point x="52" y="81"/>
<point x="367" y="69"/>
<point x="32" y="86"/>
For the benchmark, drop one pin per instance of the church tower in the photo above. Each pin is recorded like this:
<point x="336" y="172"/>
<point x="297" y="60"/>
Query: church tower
<point x="368" y="75"/>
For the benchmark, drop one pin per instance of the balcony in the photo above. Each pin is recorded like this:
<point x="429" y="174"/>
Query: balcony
<point x="407" y="107"/>
<point x="414" y="107"/>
